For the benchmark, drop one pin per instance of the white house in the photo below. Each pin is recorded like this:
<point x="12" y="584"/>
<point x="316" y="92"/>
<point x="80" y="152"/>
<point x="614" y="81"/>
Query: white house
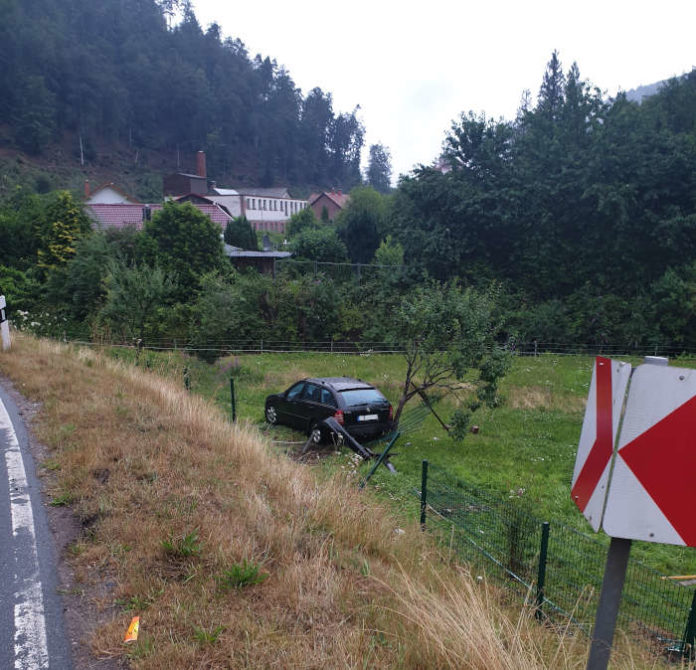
<point x="108" y="194"/>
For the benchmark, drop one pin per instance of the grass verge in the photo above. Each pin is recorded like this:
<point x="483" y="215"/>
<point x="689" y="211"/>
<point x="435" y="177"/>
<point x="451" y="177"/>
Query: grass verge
<point x="236" y="557"/>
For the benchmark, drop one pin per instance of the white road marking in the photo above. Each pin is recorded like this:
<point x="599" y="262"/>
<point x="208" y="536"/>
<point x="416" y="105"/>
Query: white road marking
<point x="30" y="645"/>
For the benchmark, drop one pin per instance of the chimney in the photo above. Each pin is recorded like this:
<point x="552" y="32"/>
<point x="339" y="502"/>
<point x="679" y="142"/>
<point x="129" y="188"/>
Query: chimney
<point x="340" y="192"/>
<point x="87" y="194"/>
<point x="200" y="164"/>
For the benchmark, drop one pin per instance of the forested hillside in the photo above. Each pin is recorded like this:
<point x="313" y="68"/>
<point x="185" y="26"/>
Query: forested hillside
<point x="113" y="73"/>
<point x="584" y="209"/>
<point x="576" y="220"/>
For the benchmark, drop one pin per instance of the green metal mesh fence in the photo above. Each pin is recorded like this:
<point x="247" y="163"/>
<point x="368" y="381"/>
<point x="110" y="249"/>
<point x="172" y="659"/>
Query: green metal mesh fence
<point x="500" y="536"/>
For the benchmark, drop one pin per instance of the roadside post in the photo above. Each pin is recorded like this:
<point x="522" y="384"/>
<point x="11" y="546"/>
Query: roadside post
<point x="4" y="325"/>
<point x="633" y="472"/>
<point x="233" y="400"/>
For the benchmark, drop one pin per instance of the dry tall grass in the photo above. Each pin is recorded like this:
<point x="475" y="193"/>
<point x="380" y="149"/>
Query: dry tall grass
<point x="173" y="498"/>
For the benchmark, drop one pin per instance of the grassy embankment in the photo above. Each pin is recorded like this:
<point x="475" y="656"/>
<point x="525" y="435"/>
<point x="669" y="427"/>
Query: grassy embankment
<point x="233" y="555"/>
<point x="527" y="445"/>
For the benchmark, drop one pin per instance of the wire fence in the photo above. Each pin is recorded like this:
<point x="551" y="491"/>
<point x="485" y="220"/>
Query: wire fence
<point x="553" y="565"/>
<point x="224" y="347"/>
<point x="338" y="272"/>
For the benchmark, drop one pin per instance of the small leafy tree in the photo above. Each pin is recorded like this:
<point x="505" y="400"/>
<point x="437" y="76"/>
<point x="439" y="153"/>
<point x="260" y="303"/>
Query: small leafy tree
<point x="447" y="334"/>
<point x="231" y="310"/>
<point x="361" y="223"/>
<point x="188" y="244"/>
<point x="320" y="244"/>
<point x="64" y="224"/>
<point x="301" y="221"/>
<point x="239" y="233"/>
<point x="389" y="252"/>
<point x="379" y="169"/>
<point x="136" y="299"/>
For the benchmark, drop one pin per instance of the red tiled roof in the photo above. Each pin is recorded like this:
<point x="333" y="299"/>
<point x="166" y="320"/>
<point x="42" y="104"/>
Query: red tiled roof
<point x="123" y="215"/>
<point x="119" y="216"/>
<point x="339" y="199"/>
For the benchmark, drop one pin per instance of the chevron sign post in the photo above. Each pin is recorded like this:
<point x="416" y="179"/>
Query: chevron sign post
<point x="4" y="325"/>
<point x="634" y="470"/>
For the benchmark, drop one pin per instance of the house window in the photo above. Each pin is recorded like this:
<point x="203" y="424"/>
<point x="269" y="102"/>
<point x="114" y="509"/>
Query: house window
<point x="253" y="203"/>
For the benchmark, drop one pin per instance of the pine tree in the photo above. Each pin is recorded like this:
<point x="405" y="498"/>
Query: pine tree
<point x="379" y="169"/>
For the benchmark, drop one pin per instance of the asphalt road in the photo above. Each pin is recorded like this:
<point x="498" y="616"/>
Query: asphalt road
<point x="32" y="633"/>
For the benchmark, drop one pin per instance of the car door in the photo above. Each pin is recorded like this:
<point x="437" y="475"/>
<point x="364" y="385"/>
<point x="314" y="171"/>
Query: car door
<point x="318" y="404"/>
<point x="290" y="405"/>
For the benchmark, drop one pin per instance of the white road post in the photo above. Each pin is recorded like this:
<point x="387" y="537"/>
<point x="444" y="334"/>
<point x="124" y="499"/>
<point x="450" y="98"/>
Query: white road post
<point x="4" y="325"/>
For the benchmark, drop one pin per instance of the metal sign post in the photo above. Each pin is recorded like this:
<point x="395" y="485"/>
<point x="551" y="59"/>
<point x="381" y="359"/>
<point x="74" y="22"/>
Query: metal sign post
<point x="4" y="325"/>
<point x="609" y="601"/>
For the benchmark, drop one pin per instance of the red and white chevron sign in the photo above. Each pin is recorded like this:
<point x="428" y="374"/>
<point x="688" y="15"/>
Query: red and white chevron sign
<point x="650" y="494"/>
<point x="596" y="447"/>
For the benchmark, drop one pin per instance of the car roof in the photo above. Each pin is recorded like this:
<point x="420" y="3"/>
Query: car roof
<point x="341" y="383"/>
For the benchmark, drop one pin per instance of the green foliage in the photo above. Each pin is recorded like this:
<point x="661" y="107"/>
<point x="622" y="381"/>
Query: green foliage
<point x="34" y="119"/>
<point x="446" y="332"/>
<point x="239" y="233"/>
<point x="319" y="244"/>
<point x="308" y="309"/>
<point x="231" y="311"/>
<point x="362" y="223"/>
<point x="240" y="575"/>
<point x="136" y="301"/>
<point x="107" y="85"/>
<point x="188" y="244"/>
<point x="301" y="221"/>
<point x="21" y="217"/>
<point x="20" y="289"/>
<point x="185" y="546"/>
<point x="63" y="225"/>
<point x="205" y="636"/>
<point x="389" y="252"/>
<point x="379" y="169"/>
<point x="578" y="204"/>
<point x="79" y="285"/>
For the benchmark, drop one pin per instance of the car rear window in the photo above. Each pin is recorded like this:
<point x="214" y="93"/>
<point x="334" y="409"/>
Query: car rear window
<point x="362" y="397"/>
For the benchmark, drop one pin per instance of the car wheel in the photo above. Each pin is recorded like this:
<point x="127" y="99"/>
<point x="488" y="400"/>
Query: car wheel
<point x="316" y="435"/>
<point x="271" y="415"/>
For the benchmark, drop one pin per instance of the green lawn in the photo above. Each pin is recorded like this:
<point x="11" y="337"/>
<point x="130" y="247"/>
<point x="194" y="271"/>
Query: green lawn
<point x="525" y="448"/>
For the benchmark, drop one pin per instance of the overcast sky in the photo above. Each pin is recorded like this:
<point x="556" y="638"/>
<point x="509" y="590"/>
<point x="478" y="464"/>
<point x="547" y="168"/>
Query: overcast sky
<point x="414" y="67"/>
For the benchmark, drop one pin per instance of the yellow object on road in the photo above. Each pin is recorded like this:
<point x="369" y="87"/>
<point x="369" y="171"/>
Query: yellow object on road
<point x="132" y="632"/>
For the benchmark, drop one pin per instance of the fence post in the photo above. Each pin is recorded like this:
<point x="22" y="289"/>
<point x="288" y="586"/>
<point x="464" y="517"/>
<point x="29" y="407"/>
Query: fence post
<point x="541" y="575"/>
<point x="187" y="379"/>
<point x="424" y="493"/>
<point x="233" y="400"/>
<point x="690" y="632"/>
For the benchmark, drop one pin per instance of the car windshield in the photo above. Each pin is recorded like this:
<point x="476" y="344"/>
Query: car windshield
<point x="362" y="397"/>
